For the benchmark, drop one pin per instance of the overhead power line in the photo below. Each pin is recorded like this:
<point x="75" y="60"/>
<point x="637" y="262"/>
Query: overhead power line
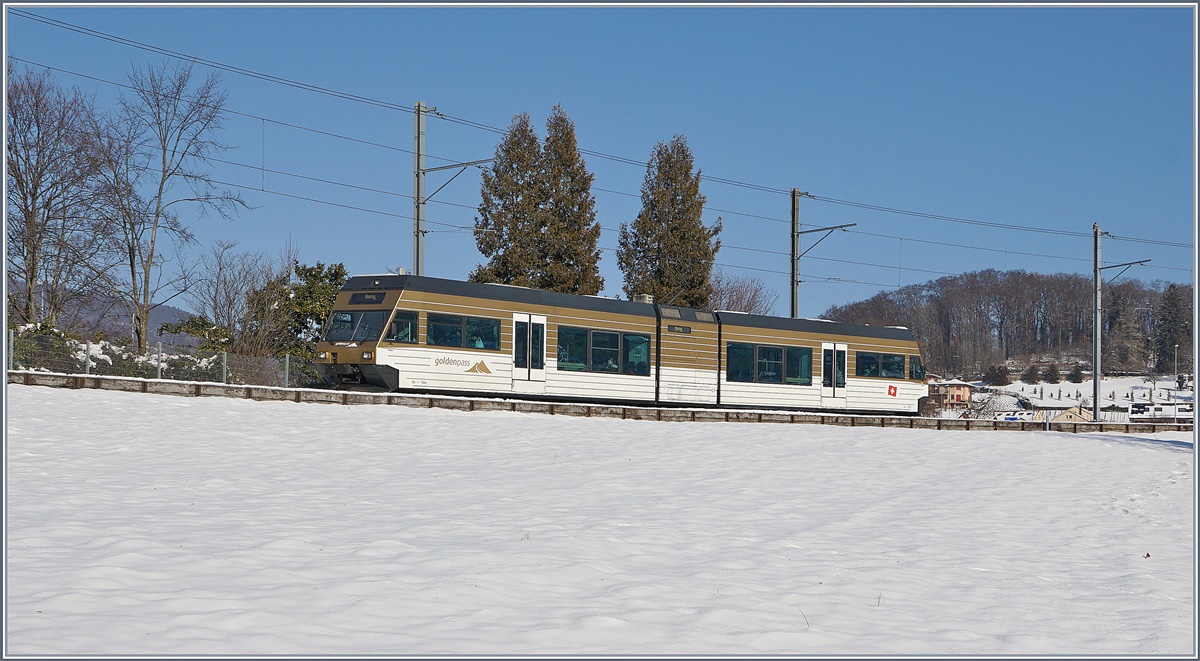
<point x="984" y="223"/>
<point x="481" y="126"/>
<point x="331" y="92"/>
<point x="997" y="250"/>
<point x="209" y="63"/>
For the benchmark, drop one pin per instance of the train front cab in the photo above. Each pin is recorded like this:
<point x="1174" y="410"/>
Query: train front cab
<point x="348" y="347"/>
<point x="455" y="337"/>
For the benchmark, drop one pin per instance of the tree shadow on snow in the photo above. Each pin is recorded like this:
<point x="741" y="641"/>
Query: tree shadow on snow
<point x="1181" y="446"/>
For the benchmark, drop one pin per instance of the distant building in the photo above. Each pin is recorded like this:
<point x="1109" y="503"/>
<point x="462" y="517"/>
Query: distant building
<point x="950" y="394"/>
<point x="1073" y="414"/>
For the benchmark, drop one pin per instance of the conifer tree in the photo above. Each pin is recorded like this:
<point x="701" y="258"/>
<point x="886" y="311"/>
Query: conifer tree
<point x="1051" y="374"/>
<point x="510" y="212"/>
<point x="537" y="219"/>
<point x="1030" y="375"/>
<point x="996" y="375"/>
<point x="1173" y="326"/>
<point x="572" y="258"/>
<point x="667" y="251"/>
<point x="1076" y="375"/>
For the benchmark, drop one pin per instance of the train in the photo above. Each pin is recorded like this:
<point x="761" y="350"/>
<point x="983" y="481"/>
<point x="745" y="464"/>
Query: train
<point x="411" y="333"/>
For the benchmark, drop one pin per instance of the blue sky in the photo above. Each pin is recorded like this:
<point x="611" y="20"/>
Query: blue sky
<point x="1044" y="118"/>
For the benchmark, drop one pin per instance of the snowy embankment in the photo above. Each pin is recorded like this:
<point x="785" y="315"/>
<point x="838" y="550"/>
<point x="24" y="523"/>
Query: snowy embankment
<point x="148" y="524"/>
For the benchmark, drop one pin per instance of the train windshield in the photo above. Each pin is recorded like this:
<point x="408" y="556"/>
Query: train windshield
<point x="355" y="326"/>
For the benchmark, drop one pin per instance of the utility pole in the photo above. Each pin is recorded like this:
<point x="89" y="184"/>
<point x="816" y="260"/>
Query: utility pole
<point x="419" y="196"/>
<point x="1097" y="286"/>
<point x="419" y="188"/>
<point x="795" y="281"/>
<point x="1096" y="371"/>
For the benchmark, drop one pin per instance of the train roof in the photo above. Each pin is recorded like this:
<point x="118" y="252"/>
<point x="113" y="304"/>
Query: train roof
<point x="819" y="326"/>
<point x="513" y="293"/>
<point x="497" y="292"/>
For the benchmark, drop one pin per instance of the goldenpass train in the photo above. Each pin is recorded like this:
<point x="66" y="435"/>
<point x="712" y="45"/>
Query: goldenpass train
<point x="420" y="334"/>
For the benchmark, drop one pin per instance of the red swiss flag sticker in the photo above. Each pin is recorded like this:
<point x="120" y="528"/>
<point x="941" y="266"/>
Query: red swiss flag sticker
<point x="891" y="391"/>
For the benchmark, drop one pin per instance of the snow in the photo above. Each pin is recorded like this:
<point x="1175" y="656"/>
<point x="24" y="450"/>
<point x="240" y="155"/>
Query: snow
<point x="154" y="525"/>
<point x="1121" y="391"/>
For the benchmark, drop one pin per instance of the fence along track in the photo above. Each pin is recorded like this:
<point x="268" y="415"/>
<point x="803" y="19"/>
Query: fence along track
<point x="300" y="395"/>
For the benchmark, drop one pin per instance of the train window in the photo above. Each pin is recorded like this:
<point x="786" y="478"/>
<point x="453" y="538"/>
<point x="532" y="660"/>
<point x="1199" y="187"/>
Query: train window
<point x="521" y="344"/>
<point x="444" y="330"/>
<point x="370" y="326"/>
<point x="916" y="370"/>
<point x="341" y="327"/>
<point x="483" y="333"/>
<point x="740" y="362"/>
<point x="798" y="369"/>
<point x="403" y="328"/>
<point x="572" y="349"/>
<point x="636" y="351"/>
<point x="892" y="366"/>
<point x="537" y="346"/>
<point x="866" y="364"/>
<point x="770" y="364"/>
<point x="833" y="374"/>
<point x="606" y="354"/>
<point x="355" y="326"/>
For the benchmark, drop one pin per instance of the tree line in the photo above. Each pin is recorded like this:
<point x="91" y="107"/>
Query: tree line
<point x="970" y="322"/>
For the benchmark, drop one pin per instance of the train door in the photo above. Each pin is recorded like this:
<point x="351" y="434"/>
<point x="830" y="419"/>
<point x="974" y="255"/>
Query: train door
<point x="833" y="375"/>
<point x="529" y="353"/>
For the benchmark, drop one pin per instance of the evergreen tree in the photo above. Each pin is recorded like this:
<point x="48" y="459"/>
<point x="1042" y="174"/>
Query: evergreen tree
<point x="537" y="218"/>
<point x="667" y="251"/>
<point x="996" y="375"/>
<point x="1076" y="374"/>
<point x="1030" y="375"/>
<point x="1050" y="374"/>
<point x="510" y="211"/>
<point x="312" y="297"/>
<point x="1173" y="326"/>
<point x="569" y="244"/>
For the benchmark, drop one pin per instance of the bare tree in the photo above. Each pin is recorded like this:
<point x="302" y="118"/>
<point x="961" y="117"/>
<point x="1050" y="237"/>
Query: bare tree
<point x="741" y="293"/>
<point x="241" y="301"/>
<point x="54" y="239"/>
<point x="152" y="150"/>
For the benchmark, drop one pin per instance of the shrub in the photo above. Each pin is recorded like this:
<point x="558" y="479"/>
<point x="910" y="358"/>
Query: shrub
<point x="997" y="375"/>
<point x="1030" y="375"/>
<point x="1051" y="375"/>
<point x="1076" y="374"/>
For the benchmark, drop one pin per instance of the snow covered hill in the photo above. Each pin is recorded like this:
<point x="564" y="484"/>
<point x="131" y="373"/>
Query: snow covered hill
<point x="155" y="525"/>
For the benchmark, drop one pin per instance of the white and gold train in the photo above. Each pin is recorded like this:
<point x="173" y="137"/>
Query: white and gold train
<point x="415" y="333"/>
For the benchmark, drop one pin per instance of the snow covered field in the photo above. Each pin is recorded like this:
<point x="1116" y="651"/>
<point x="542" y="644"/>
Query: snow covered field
<point x="1121" y="391"/>
<point x="149" y="524"/>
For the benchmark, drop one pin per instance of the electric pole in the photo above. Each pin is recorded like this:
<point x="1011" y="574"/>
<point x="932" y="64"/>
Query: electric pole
<point x="419" y="196"/>
<point x="1097" y="318"/>
<point x="419" y="188"/>
<point x="1096" y="282"/>
<point x="795" y="281"/>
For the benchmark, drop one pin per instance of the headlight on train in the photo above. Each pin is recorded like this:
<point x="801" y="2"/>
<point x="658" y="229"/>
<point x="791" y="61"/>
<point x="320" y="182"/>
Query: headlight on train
<point x="322" y="355"/>
<point x="366" y="355"/>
